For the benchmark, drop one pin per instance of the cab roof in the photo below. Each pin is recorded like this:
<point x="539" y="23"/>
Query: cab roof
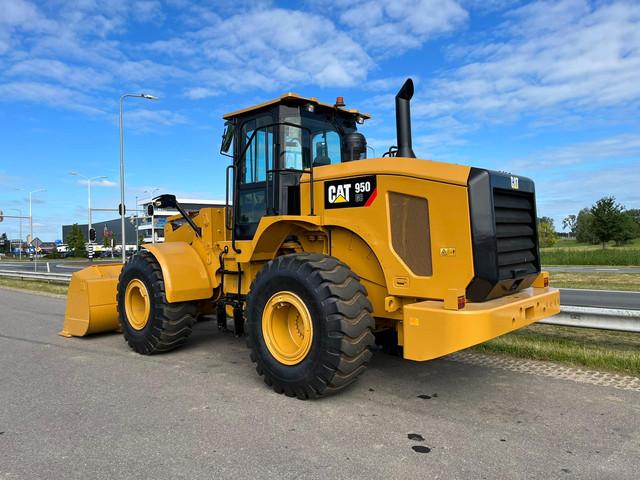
<point x="290" y="96"/>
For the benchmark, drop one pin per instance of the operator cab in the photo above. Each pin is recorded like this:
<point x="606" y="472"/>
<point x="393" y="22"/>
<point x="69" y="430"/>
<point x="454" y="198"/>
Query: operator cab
<point x="274" y="143"/>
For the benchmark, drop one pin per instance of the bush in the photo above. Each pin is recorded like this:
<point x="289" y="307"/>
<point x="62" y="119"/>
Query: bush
<point x="546" y="232"/>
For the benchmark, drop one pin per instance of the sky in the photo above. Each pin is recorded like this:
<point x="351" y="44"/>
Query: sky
<point x="545" y="89"/>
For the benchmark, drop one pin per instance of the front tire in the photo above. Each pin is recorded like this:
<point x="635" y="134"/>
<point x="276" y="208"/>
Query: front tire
<point x="309" y="325"/>
<point x="150" y="324"/>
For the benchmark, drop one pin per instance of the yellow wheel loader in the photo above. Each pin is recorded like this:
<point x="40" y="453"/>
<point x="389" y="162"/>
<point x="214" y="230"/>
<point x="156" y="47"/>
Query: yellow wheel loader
<point x="320" y="253"/>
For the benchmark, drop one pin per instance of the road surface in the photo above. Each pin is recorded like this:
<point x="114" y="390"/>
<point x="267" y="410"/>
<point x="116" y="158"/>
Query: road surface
<point x="600" y="298"/>
<point x="55" y="266"/>
<point x="90" y="408"/>
<point x="591" y="269"/>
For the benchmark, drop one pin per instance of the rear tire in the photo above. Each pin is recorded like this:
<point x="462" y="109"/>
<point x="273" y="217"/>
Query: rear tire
<point x="331" y="349"/>
<point x="150" y="324"/>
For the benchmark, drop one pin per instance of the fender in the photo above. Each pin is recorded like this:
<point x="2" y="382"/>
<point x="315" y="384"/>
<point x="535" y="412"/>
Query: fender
<point x="184" y="272"/>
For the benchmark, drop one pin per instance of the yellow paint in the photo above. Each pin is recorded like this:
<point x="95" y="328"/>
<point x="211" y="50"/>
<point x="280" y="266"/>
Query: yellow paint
<point x="453" y="298"/>
<point x="91" y="301"/>
<point x="137" y="304"/>
<point x="287" y="328"/>
<point x="184" y="272"/>
<point x="542" y="280"/>
<point x="430" y="331"/>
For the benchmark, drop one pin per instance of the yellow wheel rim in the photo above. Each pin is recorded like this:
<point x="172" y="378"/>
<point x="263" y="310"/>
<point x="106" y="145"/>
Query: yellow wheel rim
<point x="137" y="304"/>
<point x="287" y="328"/>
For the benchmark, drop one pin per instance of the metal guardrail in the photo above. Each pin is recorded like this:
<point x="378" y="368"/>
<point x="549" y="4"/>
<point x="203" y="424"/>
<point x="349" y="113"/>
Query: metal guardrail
<point x="63" y="278"/>
<point x="569" y="316"/>
<point x="600" y="318"/>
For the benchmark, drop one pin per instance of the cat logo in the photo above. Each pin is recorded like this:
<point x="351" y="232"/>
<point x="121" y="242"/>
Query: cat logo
<point x="352" y="192"/>
<point x="338" y="193"/>
<point x="514" y="183"/>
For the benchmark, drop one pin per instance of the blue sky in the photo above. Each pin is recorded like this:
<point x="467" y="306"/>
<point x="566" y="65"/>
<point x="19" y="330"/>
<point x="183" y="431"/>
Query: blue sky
<point x="549" y="90"/>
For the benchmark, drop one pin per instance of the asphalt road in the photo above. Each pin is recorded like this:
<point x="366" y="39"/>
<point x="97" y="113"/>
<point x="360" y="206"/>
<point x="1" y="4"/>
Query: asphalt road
<point x="55" y="266"/>
<point x="90" y="408"/>
<point x="591" y="269"/>
<point x="600" y="298"/>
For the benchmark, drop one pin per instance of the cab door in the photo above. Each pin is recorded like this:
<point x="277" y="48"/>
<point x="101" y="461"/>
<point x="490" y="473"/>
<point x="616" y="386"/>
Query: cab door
<point x="254" y="178"/>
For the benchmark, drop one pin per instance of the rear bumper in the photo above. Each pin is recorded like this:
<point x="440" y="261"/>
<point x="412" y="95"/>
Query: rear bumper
<point x="429" y="330"/>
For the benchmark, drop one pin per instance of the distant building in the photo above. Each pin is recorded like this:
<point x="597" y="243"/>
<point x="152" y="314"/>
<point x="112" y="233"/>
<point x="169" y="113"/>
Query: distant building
<point x="103" y="227"/>
<point x="145" y="227"/>
<point x="139" y="226"/>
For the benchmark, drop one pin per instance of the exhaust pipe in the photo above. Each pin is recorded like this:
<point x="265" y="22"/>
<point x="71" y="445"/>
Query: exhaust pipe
<point x="403" y="120"/>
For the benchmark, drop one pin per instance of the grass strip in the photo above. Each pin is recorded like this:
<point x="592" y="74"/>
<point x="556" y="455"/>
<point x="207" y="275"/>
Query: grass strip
<point x="596" y="349"/>
<point x="34" y="285"/>
<point x="596" y="281"/>
<point x="608" y="256"/>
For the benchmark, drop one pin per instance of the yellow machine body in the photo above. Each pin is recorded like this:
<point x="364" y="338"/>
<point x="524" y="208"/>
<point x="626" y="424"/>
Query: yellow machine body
<point x="91" y="301"/>
<point x="418" y="295"/>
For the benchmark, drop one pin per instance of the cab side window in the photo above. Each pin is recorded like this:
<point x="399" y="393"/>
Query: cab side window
<point x="258" y="157"/>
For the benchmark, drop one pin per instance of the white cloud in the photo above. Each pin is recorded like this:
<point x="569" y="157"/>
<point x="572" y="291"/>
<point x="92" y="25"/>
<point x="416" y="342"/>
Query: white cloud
<point x="54" y="95"/>
<point x="558" y="56"/>
<point x="393" y="27"/>
<point x="99" y="183"/>
<point x="75" y="76"/>
<point x="625" y="146"/>
<point x="145" y="120"/>
<point x="272" y="48"/>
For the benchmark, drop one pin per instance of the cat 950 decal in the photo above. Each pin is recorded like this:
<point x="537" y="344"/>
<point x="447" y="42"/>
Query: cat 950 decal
<point x="350" y="192"/>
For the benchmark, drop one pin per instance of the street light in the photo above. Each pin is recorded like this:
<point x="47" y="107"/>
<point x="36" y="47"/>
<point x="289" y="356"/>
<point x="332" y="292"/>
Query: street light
<point x="30" y="215"/>
<point x="89" y="180"/>
<point x="146" y="96"/>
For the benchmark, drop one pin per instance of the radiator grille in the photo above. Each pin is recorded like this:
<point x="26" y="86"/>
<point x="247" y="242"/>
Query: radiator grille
<point x="515" y="233"/>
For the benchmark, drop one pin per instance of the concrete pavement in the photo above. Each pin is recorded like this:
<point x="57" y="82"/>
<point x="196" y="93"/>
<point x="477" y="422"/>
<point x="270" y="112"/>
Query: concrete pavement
<point x="91" y="408"/>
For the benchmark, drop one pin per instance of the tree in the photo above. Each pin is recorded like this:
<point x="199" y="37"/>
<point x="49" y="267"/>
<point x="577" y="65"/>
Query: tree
<point x="629" y="229"/>
<point x="5" y="244"/>
<point x="76" y="241"/>
<point x="608" y="219"/>
<point x="547" y="236"/>
<point x="584" y="221"/>
<point x="570" y="223"/>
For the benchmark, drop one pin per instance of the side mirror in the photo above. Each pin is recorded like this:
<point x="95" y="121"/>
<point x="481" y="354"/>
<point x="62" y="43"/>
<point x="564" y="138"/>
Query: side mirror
<point x="92" y="235"/>
<point x="227" y="137"/>
<point x="163" y="201"/>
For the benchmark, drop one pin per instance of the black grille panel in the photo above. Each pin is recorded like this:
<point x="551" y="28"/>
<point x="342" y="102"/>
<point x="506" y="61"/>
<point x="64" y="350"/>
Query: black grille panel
<point x="515" y="233"/>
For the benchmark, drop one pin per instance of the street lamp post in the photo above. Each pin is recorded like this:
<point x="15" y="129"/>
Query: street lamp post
<point x="122" y="202"/>
<point x="30" y="213"/>
<point x="89" y="180"/>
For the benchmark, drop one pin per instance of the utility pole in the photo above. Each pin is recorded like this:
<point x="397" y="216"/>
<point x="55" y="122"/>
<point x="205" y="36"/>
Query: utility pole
<point x="31" y="214"/>
<point x="122" y="201"/>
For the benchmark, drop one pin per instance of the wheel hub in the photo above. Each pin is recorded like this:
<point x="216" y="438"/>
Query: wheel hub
<point x="137" y="304"/>
<point x="287" y="328"/>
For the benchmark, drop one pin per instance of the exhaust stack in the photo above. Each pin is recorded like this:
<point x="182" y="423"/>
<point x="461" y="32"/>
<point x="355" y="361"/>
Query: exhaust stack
<point x="403" y="120"/>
